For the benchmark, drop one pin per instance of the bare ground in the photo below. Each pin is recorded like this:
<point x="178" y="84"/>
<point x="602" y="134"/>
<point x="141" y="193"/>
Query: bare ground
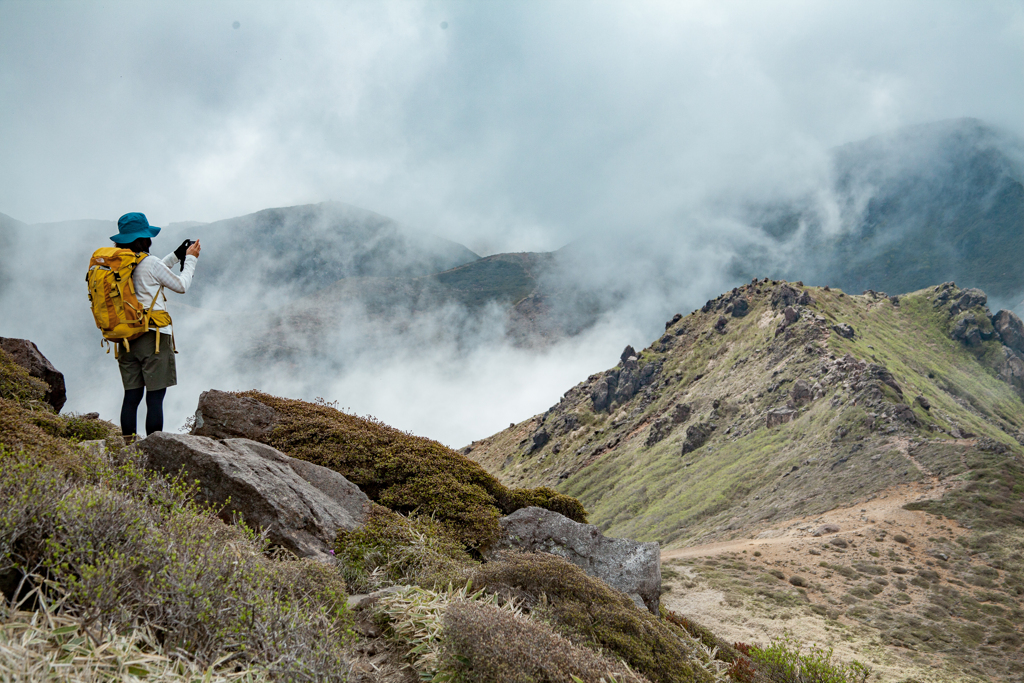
<point x="715" y="584"/>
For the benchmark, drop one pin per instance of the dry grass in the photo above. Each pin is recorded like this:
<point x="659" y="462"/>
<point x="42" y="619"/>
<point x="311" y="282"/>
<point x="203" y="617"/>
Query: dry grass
<point x="44" y="645"/>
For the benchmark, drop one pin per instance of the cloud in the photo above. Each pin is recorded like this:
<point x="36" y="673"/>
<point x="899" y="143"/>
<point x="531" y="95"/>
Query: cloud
<point x="622" y="128"/>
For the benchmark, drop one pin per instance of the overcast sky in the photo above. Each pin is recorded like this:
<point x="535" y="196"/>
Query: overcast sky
<point x="506" y="126"/>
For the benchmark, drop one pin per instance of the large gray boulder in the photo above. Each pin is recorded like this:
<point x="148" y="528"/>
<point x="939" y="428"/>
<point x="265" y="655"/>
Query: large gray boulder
<point x="26" y="354"/>
<point x="300" y="505"/>
<point x="222" y="415"/>
<point x="629" y="566"/>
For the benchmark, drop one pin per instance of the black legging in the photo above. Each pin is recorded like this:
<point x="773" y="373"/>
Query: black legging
<point x="154" y="410"/>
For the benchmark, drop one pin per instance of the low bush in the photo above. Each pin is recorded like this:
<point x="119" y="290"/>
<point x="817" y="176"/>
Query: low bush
<point x="390" y="549"/>
<point x="406" y="473"/>
<point x="782" y="662"/>
<point x="589" y="612"/>
<point x="129" y="548"/>
<point x="485" y="643"/>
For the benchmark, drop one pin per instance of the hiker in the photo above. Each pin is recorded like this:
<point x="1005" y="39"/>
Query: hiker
<point x="144" y="368"/>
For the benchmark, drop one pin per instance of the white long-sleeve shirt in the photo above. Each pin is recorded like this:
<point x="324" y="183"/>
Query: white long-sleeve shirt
<point x="153" y="272"/>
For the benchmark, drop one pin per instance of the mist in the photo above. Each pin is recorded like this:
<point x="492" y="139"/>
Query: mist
<point x="632" y="137"/>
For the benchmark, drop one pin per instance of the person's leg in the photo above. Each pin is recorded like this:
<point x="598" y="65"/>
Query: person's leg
<point x="130" y="410"/>
<point x="155" y="411"/>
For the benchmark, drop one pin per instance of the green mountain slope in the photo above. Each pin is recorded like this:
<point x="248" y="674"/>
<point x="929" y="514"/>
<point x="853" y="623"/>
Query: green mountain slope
<point x="727" y="423"/>
<point x="915" y="206"/>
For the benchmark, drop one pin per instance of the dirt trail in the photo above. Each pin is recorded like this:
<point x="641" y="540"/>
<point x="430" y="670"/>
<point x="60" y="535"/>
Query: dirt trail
<point x="886" y="508"/>
<point x="877" y="530"/>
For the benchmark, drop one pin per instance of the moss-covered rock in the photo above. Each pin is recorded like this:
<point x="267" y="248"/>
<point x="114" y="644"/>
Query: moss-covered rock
<point x="405" y="473"/>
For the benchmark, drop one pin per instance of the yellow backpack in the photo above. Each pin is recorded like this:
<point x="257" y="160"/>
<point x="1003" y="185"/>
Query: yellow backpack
<point x="118" y="313"/>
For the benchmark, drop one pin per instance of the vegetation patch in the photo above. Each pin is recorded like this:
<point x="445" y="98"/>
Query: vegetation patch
<point x="406" y="473"/>
<point x="590" y="613"/>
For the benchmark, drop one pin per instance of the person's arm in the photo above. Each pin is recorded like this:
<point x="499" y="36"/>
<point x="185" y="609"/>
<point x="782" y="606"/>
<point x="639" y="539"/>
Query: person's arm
<point x="165" y="276"/>
<point x="170" y="260"/>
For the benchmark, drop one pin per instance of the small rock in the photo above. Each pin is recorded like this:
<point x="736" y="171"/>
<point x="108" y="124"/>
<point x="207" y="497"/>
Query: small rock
<point x="906" y="413"/>
<point x="779" y="416"/>
<point x="839" y="542"/>
<point x="681" y="413"/>
<point x="801" y="392"/>
<point x="626" y="353"/>
<point x="844" y="330"/>
<point x="740" y="307"/>
<point x="791" y="314"/>
<point x="696" y="436"/>
<point x="222" y="415"/>
<point x="825" y="529"/>
<point x="720" y="324"/>
<point x="923" y="402"/>
<point x="540" y="439"/>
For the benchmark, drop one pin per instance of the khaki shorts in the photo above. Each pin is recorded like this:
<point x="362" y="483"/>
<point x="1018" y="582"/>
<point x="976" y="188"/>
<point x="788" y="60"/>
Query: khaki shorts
<point x="142" y="366"/>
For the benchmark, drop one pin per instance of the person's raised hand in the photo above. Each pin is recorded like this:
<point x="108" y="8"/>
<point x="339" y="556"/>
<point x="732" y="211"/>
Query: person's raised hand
<point x="194" y="249"/>
<point x="179" y="253"/>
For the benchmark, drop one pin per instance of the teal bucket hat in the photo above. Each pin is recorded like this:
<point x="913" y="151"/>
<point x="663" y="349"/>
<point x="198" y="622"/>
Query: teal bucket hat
<point x="132" y="226"/>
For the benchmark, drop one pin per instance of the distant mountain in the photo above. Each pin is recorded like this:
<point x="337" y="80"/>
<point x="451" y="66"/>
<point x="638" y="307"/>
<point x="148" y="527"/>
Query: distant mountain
<point x="303" y="249"/>
<point x="930" y="203"/>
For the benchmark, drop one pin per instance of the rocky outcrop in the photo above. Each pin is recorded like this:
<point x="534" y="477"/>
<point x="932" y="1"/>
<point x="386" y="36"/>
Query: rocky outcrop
<point x="779" y="416"/>
<point x="681" y="413"/>
<point x="620" y="384"/>
<point x="27" y="355"/>
<point x="629" y="566"/>
<point x="540" y="439"/>
<point x="222" y="415"/>
<point x="300" y="505"/>
<point x="968" y="299"/>
<point x="844" y="330"/>
<point x="785" y="295"/>
<point x="1010" y="368"/>
<point x="661" y="428"/>
<point x="801" y="392"/>
<point x="696" y="436"/>
<point x="971" y="329"/>
<point x="627" y="353"/>
<point x="739" y="307"/>
<point x="1010" y="330"/>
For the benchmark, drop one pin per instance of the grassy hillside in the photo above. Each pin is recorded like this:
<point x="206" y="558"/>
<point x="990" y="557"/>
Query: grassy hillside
<point x="776" y="460"/>
<point x="859" y="430"/>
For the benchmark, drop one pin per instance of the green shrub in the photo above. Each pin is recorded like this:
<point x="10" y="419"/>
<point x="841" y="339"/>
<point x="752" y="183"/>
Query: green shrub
<point x="390" y="549"/>
<point x="588" y="611"/>
<point x="782" y="662"/>
<point x="131" y="548"/>
<point x="405" y="473"/>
